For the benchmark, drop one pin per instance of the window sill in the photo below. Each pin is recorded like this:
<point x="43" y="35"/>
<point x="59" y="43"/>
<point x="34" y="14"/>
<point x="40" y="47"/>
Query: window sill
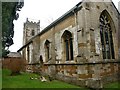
<point x="70" y="62"/>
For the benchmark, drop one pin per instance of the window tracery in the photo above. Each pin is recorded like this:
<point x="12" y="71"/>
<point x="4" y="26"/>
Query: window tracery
<point x="106" y="36"/>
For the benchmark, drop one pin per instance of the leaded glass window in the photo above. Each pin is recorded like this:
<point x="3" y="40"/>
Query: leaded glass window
<point x="106" y="37"/>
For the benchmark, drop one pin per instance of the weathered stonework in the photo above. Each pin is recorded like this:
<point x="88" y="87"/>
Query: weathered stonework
<point x="71" y="47"/>
<point x="93" y="75"/>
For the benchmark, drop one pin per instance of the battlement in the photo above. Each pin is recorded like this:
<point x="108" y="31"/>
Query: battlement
<point x="31" y="28"/>
<point x="32" y="21"/>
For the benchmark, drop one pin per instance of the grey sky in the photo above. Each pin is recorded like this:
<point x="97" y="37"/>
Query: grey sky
<point x="44" y="10"/>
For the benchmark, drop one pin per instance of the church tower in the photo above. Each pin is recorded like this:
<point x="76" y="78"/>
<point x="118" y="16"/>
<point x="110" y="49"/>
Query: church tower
<point x="30" y="30"/>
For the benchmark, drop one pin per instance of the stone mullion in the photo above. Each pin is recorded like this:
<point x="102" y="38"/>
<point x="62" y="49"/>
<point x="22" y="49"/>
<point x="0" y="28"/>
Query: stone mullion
<point x="104" y="43"/>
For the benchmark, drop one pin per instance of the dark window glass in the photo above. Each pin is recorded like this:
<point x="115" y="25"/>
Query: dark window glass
<point x="112" y="47"/>
<point x="67" y="36"/>
<point x="47" y="49"/>
<point x="47" y="52"/>
<point x="71" y="49"/>
<point x="67" y="50"/>
<point x="33" y="32"/>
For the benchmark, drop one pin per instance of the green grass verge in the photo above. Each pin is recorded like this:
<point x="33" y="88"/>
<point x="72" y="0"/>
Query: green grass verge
<point x="0" y="79"/>
<point x="113" y="85"/>
<point x="23" y="81"/>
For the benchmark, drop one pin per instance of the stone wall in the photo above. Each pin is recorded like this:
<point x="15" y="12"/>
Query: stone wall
<point x="93" y="75"/>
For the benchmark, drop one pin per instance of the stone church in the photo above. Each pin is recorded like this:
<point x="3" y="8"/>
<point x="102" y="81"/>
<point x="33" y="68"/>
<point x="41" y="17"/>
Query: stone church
<point x="80" y="47"/>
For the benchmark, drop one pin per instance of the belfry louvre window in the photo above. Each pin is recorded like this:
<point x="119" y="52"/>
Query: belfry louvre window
<point x="106" y="36"/>
<point x="33" y="33"/>
<point x="68" y="45"/>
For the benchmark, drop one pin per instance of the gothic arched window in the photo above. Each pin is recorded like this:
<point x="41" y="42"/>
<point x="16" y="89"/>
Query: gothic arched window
<point x="47" y="50"/>
<point x="68" y="45"/>
<point x="106" y="36"/>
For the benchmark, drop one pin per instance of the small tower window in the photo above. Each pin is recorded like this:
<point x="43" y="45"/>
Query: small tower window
<point x="33" y="32"/>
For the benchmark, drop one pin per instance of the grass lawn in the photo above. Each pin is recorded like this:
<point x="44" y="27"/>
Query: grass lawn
<point x="0" y="79"/>
<point x="23" y="81"/>
<point x="113" y="85"/>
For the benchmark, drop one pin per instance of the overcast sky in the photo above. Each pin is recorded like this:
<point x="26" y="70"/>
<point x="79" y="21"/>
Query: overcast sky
<point x="44" y="10"/>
